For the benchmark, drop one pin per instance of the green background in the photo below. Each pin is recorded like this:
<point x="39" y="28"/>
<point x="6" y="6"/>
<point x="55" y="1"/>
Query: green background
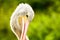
<point x="44" y="26"/>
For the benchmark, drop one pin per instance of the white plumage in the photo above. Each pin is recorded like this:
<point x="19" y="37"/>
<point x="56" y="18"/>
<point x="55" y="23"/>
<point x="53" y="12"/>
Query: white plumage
<point x="21" y="10"/>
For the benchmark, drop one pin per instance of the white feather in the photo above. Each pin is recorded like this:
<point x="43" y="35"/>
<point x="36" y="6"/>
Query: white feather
<point x="20" y="10"/>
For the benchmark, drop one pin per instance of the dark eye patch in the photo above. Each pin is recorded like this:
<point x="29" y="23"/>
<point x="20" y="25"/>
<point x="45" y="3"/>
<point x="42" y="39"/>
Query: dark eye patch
<point x="27" y="16"/>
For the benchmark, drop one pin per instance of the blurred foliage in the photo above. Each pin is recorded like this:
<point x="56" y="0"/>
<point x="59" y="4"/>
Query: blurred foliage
<point x="45" y="25"/>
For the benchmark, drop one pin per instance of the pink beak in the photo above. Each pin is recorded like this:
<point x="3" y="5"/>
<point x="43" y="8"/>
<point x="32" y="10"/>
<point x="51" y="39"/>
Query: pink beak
<point x="24" y="29"/>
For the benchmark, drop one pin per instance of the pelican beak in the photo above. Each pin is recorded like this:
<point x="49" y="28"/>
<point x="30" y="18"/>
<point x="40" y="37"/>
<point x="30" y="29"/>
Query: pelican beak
<point x="24" y="22"/>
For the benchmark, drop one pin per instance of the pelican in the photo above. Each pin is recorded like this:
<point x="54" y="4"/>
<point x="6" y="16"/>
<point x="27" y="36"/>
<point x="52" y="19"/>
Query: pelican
<point x="20" y="20"/>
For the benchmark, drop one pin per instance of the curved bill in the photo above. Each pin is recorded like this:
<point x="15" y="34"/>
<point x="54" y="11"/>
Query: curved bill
<point x="24" y="24"/>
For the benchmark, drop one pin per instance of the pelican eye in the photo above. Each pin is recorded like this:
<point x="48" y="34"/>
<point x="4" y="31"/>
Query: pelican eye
<point x="27" y="16"/>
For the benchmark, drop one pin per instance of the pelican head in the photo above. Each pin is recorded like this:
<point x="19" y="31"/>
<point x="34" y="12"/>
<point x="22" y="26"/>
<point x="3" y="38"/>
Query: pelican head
<point x="20" y="20"/>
